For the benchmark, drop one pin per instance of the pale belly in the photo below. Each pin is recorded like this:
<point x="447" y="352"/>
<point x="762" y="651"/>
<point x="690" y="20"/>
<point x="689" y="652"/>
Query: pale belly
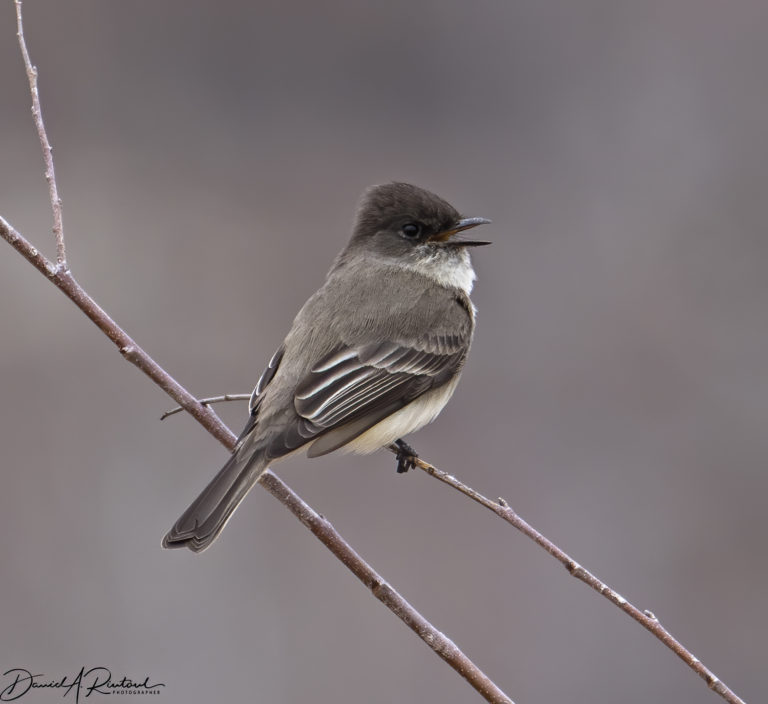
<point x="407" y="420"/>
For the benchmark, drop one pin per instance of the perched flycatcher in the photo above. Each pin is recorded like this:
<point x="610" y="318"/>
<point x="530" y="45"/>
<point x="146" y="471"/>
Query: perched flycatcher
<point x="373" y="355"/>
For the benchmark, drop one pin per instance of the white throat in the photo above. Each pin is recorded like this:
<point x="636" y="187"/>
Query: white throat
<point x="451" y="268"/>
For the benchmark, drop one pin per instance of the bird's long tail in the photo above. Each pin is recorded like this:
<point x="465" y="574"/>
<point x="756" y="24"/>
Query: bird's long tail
<point x="202" y="522"/>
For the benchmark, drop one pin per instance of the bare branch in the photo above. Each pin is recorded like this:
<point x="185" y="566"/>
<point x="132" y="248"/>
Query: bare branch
<point x="37" y="114"/>
<point x="208" y="402"/>
<point x="383" y="591"/>
<point x="502" y="509"/>
<point x="60" y="276"/>
<point x="443" y="646"/>
<point x="127" y="346"/>
<point x="646" y="618"/>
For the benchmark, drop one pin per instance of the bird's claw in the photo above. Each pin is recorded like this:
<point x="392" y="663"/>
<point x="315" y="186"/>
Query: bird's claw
<point x="406" y="456"/>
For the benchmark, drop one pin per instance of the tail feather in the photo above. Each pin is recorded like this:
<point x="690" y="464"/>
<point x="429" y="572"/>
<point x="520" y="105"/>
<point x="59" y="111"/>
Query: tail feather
<point x="202" y="522"/>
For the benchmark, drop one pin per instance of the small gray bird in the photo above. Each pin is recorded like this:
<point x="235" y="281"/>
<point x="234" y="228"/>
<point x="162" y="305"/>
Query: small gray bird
<point x="373" y="355"/>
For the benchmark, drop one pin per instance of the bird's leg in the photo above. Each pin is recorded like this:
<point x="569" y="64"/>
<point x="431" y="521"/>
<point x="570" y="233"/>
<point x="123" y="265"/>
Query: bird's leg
<point x="405" y="454"/>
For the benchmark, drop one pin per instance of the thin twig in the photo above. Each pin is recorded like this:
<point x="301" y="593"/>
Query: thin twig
<point x="37" y="114"/>
<point x="646" y="618"/>
<point x="208" y="402"/>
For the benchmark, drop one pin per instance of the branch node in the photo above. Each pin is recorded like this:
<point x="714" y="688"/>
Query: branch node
<point x="128" y="351"/>
<point x="378" y="587"/>
<point x="573" y="567"/>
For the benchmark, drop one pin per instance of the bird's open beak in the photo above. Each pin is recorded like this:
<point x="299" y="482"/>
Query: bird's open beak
<point x="445" y="236"/>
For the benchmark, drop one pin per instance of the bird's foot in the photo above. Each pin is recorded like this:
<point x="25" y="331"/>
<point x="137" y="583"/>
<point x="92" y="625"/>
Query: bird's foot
<point x="406" y="456"/>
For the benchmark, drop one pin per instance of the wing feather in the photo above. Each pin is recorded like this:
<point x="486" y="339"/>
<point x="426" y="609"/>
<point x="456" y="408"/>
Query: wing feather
<point x="382" y="375"/>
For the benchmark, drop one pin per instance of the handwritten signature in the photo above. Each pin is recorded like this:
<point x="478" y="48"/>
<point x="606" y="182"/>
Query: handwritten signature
<point x="86" y="682"/>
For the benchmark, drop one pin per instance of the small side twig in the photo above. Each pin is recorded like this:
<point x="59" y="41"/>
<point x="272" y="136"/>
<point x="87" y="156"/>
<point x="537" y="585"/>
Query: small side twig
<point x="37" y="114"/>
<point x="208" y="402"/>
<point x="646" y="618"/>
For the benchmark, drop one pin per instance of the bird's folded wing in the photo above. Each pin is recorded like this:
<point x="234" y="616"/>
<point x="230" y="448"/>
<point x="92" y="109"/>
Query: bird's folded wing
<point x="352" y="389"/>
<point x="357" y="384"/>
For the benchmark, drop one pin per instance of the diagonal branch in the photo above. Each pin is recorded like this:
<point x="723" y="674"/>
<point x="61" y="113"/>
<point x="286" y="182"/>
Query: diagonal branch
<point x="322" y="529"/>
<point x="646" y="618"/>
<point x="501" y="508"/>
<point x="65" y="282"/>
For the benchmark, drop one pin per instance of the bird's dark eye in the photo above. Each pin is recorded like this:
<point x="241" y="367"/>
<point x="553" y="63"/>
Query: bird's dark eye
<point x="411" y="230"/>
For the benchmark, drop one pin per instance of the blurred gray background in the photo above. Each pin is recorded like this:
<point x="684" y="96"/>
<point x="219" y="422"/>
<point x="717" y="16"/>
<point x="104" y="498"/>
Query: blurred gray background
<point x="210" y="156"/>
